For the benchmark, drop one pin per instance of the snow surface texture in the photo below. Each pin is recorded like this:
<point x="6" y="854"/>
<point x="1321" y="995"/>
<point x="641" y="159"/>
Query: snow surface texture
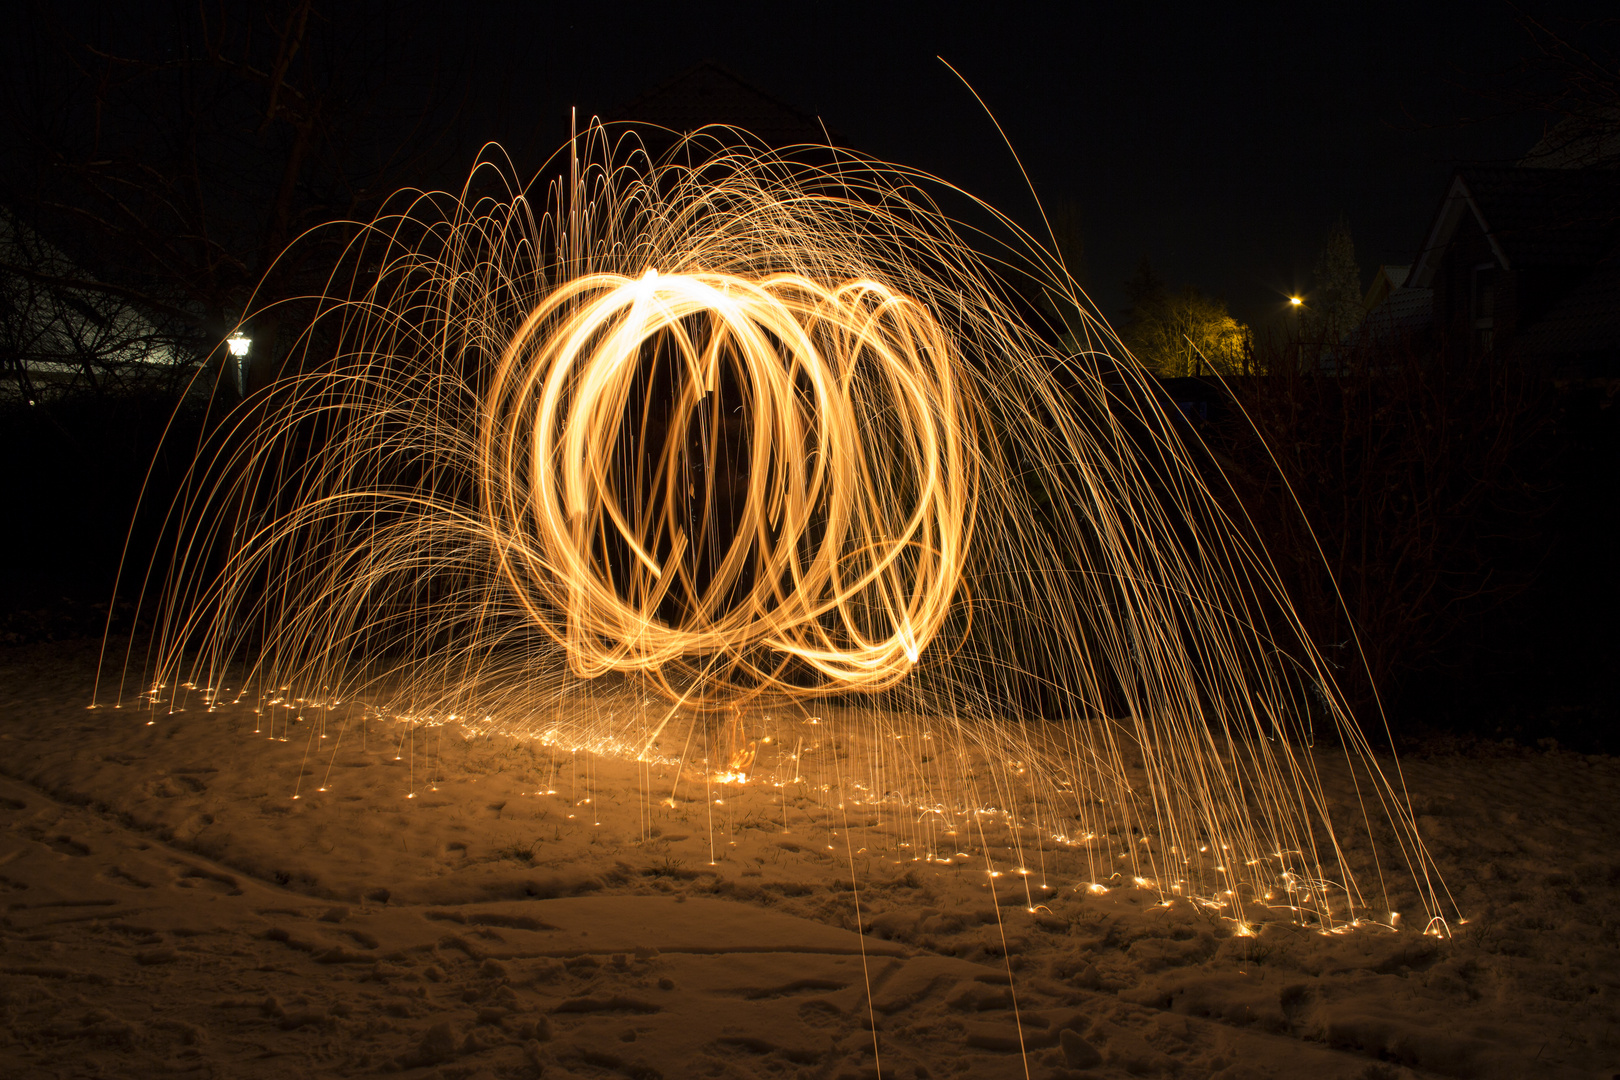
<point x="168" y="909"/>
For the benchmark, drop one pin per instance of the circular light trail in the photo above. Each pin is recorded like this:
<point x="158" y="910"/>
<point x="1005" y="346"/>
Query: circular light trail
<point x="826" y="419"/>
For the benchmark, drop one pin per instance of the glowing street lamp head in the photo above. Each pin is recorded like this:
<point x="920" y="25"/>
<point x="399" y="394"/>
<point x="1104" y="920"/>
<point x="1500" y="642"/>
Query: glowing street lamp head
<point x="1296" y="301"/>
<point x="238" y="343"/>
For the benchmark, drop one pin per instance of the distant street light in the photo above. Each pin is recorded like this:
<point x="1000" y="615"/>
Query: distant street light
<point x="1296" y="301"/>
<point x="239" y="343"/>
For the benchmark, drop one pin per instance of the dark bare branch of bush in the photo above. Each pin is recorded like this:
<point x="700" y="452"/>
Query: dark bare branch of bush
<point x="1402" y="498"/>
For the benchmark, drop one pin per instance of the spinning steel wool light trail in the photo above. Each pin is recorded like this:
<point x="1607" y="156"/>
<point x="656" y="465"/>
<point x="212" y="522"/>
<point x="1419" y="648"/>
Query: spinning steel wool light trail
<point x="741" y="433"/>
<point x="853" y="464"/>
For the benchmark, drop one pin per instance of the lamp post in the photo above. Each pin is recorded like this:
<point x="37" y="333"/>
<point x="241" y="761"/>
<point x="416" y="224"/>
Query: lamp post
<point x="1296" y="304"/>
<point x="238" y="345"/>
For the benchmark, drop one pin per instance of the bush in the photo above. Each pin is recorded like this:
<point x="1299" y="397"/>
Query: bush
<point x="1404" y="500"/>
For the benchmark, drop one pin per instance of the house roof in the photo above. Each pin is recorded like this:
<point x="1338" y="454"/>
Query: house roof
<point x="1584" y="320"/>
<point x="1587" y="140"/>
<point x="709" y="94"/>
<point x="1403" y="311"/>
<point x="60" y="316"/>
<point x="1385" y="281"/>
<point x="1531" y="217"/>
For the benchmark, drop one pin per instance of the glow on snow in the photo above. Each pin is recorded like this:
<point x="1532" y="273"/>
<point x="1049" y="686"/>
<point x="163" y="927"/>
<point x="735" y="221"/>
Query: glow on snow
<point x="675" y="453"/>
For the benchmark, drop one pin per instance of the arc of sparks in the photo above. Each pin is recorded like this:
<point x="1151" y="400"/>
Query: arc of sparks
<point x="741" y="428"/>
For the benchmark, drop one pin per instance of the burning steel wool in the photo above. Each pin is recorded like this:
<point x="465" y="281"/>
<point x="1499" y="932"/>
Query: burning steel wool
<point x="833" y="449"/>
<point x="671" y="453"/>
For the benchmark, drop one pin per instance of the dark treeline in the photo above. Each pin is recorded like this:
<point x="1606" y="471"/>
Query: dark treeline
<point x="1445" y="528"/>
<point x="159" y="164"/>
<point x="75" y="471"/>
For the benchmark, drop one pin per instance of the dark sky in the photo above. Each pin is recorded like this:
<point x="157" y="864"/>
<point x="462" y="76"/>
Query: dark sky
<point x="1222" y="143"/>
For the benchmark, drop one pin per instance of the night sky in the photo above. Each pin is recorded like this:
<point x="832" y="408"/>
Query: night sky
<point x="1220" y="143"/>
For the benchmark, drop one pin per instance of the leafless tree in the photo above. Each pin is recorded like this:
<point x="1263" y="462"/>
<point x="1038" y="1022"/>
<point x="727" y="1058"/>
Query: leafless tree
<point x="171" y="156"/>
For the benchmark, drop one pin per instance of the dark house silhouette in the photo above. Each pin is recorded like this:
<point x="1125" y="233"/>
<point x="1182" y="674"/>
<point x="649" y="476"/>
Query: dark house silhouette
<point x="1520" y="264"/>
<point x="1525" y="265"/>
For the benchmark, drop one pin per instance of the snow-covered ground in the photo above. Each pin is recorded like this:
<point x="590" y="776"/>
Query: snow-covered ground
<point x="490" y="908"/>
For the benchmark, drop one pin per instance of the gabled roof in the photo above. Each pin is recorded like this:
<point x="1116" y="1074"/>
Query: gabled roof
<point x="709" y="94"/>
<point x="1531" y="217"/>
<point x="1385" y="281"/>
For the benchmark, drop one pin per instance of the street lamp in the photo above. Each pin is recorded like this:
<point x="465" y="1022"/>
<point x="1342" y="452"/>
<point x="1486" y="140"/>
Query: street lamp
<point x="237" y="345"/>
<point x="1296" y="304"/>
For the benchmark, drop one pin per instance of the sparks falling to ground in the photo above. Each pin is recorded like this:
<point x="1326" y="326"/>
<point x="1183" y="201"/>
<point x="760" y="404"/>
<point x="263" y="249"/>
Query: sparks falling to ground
<point x="701" y="459"/>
